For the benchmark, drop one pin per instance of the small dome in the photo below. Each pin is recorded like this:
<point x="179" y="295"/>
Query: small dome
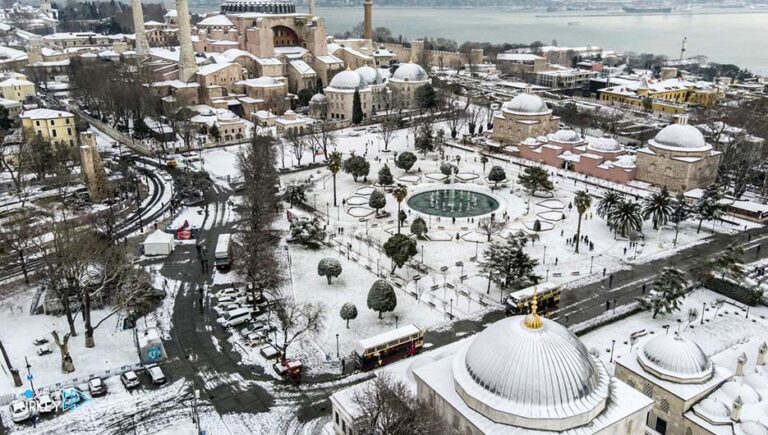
<point x="676" y="359"/>
<point x="347" y="80"/>
<point x="526" y="104"/>
<point x="604" y="144"/>
<point x="370" y="75"/>
<point x="531" y="372"/>
<point x="736" y="388"/>
<point x="410" y="72"/>
<point x="712" y="408"/>
<point x="756" y="381"/>
<point x="318" y="99"/>
<point x="752" y="428"/>
<point x="565" y="136"/>
<point x="680" y="136"/>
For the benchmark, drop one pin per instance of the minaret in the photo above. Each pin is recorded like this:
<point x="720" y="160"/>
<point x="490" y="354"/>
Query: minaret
<point x="142" y="46"/>
<point x="312" y="7"/>
<point x="684" y="48"/>
<point x="368" y="20"/>
<point x="187" y="64"/>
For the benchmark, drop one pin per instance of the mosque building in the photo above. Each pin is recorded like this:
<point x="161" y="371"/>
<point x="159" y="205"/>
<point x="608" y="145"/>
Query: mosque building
<point x="525" y="116"/>
<point x="521" y="374"/>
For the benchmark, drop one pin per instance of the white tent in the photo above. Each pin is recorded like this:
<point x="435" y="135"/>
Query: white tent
<point x="158" y="243"/>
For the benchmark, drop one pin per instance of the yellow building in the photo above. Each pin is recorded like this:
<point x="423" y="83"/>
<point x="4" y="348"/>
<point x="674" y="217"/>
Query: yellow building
<point x="669" y="96"/>
<point x="16" y="89"/>
<point x="52" y="125"/>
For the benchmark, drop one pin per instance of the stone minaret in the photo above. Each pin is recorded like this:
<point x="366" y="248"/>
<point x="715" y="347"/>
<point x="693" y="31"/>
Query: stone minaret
<point x="312" y="7"/>
<point x="368" y="20"/>
<point x="187" y="64"/>
<point x="92" y="170"/>
<point x="684" y="48"/>
<point x="142" y="46"/>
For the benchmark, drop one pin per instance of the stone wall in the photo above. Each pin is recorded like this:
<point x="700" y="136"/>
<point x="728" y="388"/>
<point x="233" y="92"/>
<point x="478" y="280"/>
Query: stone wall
<point x="664" y="168"/>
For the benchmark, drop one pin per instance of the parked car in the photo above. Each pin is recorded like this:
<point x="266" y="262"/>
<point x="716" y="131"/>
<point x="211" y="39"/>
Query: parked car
<point x="257" y="338"/>
<point x="235" y="317"/>
<point x="227" y="299"/>
<point x="268" y="351"/>
<point x="223" y="308"/>
<point x="96" y="387"/>
<point x="130" y="380"/>
<point x="20" y="411"/>
<point x="256" y="327"/>
<point x="228" y="292"/>
<point x="44" y="350"/>
<point x="156" y="374"/>
<point x="45" y="404"/>
<point x="39" y="341"/>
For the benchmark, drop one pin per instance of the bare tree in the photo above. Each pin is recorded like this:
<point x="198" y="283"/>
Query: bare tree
<point x="67" y="365"/>
<point x="321" y="138"/>
<point x="474" y="115"/>
<point x="490" y="226"/>
<point x="20" y="235"/>
<point x="387" y="406"/>
<point x="295" y="319"/>
<point x="13" y="159"/>
<point x="455" y="114"/>
<point x="388" y="127"/>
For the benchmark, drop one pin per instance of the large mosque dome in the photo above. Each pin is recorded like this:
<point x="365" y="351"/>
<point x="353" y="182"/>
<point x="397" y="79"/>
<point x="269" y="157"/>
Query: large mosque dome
<point x="531" y="372"/>
<point x="348" y="79"/>
<point x="680" y="137"/>
<point x="526" y="104"/>
<point x="259" y="6"/>
<point x="410" y="72"/>
<point x="676" y="359"/>
<point x="370" y="75"/>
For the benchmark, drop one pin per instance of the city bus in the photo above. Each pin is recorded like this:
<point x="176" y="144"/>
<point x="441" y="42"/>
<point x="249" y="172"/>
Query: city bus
<point x="223" y="254"/>
<point x="547" y="298"/>
<point x="389" y="346"/>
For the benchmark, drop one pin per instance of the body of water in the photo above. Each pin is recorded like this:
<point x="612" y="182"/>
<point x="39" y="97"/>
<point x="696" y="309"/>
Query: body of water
<point x="724" y="37"/>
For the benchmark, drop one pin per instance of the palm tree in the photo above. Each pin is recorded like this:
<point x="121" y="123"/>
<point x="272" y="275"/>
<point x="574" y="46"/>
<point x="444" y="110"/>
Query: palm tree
<point x="334" y="165"/>
<point x="606" y="205"/>
<point x="483" y="160"/>
<point x="399" y="192"/>
<point x="659" y="208"/>
<point x="626" y="217"/>
<point x="583" y="201"/>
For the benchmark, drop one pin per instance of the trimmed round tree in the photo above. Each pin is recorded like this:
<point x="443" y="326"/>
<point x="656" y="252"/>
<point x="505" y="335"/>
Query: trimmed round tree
<point x="448" y="168"/>
<point x="377" y="201"/>
<point x="419" y="228"/>
<point x="385" y="176"/>
<point x="348" y="312"/>
<point x="329" y="268"/>
<point x="381" y="297"/>
<point x="497" y="175"/>
<point x="400" y="248"/>
<point x="406" y="160"/>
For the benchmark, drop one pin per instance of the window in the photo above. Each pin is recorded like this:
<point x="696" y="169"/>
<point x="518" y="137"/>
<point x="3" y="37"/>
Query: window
<point x="52" y="121"/>
<point x="343" y="426"/>
<point x="336" y="414"/>
<point x="69" y="131"/>
<point x="53" y="132"/>
<point x="648" y="390"/>
<point x="37" y="123"/>
<point x="664" y="406"/>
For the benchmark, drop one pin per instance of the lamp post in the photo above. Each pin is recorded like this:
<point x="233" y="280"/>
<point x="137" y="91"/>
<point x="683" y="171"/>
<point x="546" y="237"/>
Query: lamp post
<point x="613" y="344"/>
<point x="29" y="375"/>
<point x="396" y="319"/>
<point x="337" y="345"/>
<point x="703" y="307"/>
<point x="591" y="262"/>
<point x="544" y="258"/>
<point x="451" y="314"/>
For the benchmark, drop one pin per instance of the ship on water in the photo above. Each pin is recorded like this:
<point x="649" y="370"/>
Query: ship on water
<point x="646" y="9"/>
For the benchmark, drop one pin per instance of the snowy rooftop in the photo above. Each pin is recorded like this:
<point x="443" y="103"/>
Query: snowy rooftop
<point x="44" y="114"/>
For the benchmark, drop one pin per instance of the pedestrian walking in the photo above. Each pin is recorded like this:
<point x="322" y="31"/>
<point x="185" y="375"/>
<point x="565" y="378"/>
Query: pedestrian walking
<point x="603" y="271"/>
<point x="610" y="281"/>
<point x="643" y="289"/>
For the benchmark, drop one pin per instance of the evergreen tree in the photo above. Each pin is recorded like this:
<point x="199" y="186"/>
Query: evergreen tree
<point x="668" y="289"/>
<point x="381" y="297"/>
<point x="419" y="228"/>
<point x="385" y="176"/>
<point x="377" y="201"/>
<point x="357" y="108"/>
<point x="448" y="169"/>
<point x="681" y="211"/>
<point x="583" y="201"/>
<point x="294" y="194"/>
<point x="607" y="204"/>
<point x="348" y="312"/>
<point x="709" y="206"/>
<point x="399" y="248"/>
<point x="424" y="142"/>
<point x="306" y="232"/>
<point x="406" y="160"/>
<point x="535" y="179"/>
<point x="329" y="268"/>
<point x="357" y="166"/>
<point x="496" y="175"/>
<point x="334" y="165"/>
<point x="626" y="218"/>
<point x="659" y="207"/>
<point x="425" y="96"/>
<point x="508" y="265"/>
<point x="730" y="263"/>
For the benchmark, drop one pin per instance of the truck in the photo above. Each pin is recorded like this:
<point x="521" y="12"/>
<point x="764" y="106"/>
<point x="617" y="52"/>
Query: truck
<point x="223" y="254"/>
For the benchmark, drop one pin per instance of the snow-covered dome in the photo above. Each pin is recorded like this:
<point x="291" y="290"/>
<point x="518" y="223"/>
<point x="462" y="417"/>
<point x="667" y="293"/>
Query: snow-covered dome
<point x="675" y="359"/>
<point x="526" y="104"/>
<point x="216" y="21"/>
<point x="604" y="144"/>
<point x="370" y="75"/>
<point x="680" y="136"/>
<point x="752" y="428"/>
<point x="736" y="388"/>
<point x="756" y="381"/>
<point x="712" y="408"/>
<point x="260" y="6"/>
<point x="565" y="136"/>
<point x="318" y="99"/>
<point x="347" y="80"/>
<point x="531" y="372"/>
<point x="410" y="72"/>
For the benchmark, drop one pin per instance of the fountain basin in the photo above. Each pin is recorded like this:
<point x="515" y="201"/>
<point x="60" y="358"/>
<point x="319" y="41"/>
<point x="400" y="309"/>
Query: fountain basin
<point x="453" y="202"/>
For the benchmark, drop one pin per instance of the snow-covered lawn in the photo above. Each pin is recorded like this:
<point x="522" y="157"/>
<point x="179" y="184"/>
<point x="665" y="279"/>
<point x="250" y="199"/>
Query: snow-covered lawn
<point x="114" y="346"/>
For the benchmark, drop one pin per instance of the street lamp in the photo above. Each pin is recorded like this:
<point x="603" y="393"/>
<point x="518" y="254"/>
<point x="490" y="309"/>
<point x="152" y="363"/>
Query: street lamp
<point x="29" y="375"/>
<point x="613" y="344"/>
<point x="451" y="314"/>
<point x="337" y="345"/>
<point x="396" y="319"/>
<point x="591" y="262"/>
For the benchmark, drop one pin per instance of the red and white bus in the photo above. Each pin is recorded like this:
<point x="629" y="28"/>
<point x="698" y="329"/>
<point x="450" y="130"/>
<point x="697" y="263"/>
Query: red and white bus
<point x="390" y="346"/>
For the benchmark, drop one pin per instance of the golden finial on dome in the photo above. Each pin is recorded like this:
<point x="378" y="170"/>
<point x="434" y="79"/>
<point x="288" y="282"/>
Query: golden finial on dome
<point x="533" y="320"/>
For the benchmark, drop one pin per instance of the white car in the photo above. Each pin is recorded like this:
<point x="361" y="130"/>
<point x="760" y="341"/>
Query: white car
<point x="156" y="374"/>
<point x="223" y="308"/>
<point x="227" y="299"/>
<point x="45" y="404"/>
<point x="228" y="292"/>
<point x="20" y="411"/>
<point x="130" y="380"/>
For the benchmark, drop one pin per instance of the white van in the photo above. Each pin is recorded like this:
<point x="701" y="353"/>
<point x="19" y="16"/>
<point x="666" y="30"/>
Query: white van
<point x="235" y="317"/>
